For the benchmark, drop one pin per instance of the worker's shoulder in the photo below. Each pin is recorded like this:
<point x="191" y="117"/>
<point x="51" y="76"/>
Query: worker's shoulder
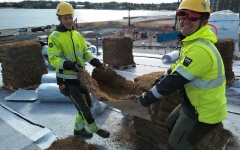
<point x="199" y="43"/>
<point x="198" y="50"/>
<point x="76" y="32"/>
<point x="54" y="33"/>
<point x="59" y="35"/>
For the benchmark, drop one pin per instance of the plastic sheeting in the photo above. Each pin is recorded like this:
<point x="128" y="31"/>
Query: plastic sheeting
<point x="35" y="133"/>
<point x="98" y="107"/>
<point x="47" y="63"/>
<point x="170" y="57"/>
<point x="224" y="20"/>
<point x="49" y="78"/>
<point x="92" y="48"/>
<point x="22" y="95"/>
<point x="227" y="23"/>
<point x="49" y="92"/>
<point x="44" y="50"/>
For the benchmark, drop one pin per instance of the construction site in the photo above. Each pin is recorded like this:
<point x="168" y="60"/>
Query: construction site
<point x="133" y="52"/>
<point x="143" y="30"/>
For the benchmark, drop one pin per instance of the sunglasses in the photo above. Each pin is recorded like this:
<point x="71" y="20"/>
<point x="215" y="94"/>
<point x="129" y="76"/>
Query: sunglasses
<point x="191" y="18"/>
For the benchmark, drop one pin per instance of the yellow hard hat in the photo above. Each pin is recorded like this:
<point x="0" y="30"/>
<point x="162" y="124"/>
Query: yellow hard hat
<point x="195" y="5"/>
<point x="64" y="8"/>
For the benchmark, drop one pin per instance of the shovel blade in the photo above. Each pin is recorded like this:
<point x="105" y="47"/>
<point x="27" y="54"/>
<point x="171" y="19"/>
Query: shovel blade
<point x="131" y="107"/>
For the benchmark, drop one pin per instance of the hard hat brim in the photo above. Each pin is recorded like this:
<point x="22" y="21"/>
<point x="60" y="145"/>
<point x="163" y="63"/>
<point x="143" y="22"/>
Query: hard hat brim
<point x="181" y="12"/>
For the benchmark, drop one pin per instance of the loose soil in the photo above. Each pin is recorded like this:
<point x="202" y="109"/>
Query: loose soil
<point x="71" y="143"/>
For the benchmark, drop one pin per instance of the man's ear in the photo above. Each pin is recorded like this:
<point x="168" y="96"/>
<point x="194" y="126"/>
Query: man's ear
<point x="59" y="18"/>
<point x="204" y="22"/>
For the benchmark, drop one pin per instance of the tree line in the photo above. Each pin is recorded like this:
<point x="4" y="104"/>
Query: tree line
<point x="87" y="5"/>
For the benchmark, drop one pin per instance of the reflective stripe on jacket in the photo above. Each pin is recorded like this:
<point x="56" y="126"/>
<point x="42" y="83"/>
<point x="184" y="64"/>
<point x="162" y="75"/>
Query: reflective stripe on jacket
<point x="67" y="46"/>
<point x="201" y="64"/>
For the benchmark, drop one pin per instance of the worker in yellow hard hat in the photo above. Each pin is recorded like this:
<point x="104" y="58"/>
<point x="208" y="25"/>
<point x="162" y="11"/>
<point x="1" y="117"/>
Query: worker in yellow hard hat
<point x="67" y="52"/>
<point x="198" y="74"/>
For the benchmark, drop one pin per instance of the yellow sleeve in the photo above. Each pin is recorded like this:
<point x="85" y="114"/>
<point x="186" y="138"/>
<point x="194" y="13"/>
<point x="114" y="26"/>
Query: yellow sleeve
<point x="87" y="55"/>
<point x="55" y="52"/>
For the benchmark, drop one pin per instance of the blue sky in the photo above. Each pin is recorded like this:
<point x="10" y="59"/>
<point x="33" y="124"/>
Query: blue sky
<point x="97" y="1"/>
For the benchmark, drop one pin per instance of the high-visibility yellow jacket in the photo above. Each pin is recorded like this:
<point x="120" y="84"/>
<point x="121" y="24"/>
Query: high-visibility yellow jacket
<point x="200" y="75"/>
<point x="67" y="45"/>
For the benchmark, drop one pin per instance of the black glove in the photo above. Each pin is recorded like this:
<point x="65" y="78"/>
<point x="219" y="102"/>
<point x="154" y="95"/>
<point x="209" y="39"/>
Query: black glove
<point x="77" y="68"/>
<point x="96" y="63"/>
<point x="146" y="99"/>
<point x="142" y="100"/>
<point x="68" y="65"/>
<point x="101" y="67"/>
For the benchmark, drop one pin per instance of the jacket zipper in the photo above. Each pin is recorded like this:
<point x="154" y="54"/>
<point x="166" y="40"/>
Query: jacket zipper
<point x="73" y="47"/>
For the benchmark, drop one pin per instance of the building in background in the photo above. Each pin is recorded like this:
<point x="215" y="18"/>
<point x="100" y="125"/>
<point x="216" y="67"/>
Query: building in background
<point x="80" y="6"/>
<point x="218" y="5"/>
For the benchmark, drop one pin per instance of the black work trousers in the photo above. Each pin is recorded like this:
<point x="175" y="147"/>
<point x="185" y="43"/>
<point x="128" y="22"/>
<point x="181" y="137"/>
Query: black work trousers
<point x="76" y="93"/>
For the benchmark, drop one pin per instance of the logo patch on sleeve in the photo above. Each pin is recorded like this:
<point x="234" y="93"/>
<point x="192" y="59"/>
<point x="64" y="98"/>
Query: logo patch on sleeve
<point x="187" y="61"/>
<point x="50" y="45"/>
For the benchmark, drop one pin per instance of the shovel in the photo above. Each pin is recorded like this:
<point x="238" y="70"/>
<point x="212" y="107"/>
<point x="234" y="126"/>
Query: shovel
<point x="129" y="105"/>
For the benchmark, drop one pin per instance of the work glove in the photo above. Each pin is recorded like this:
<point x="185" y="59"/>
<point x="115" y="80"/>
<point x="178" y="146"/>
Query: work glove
<point x="101" y="67"/>
<point x="77" y="68"/>
<point x="143" y="100"/>
<point x="96" y="63"/>
<point x="146" y="99"/>
<point x="68" y="65"/>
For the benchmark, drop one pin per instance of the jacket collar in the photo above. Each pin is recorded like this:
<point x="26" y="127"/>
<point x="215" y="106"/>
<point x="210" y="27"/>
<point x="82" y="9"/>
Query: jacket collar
<point x="181" y="37"/>
<point x="203" y="33"/>
<point x="61" y="28"/>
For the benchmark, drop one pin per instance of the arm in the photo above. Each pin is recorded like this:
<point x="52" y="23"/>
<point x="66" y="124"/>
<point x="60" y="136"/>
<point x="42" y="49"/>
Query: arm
<point x="87" y="56"/>
<point x="189" y="68"/>
<point x="54" y="52"/>
<point x="168" y="85"/>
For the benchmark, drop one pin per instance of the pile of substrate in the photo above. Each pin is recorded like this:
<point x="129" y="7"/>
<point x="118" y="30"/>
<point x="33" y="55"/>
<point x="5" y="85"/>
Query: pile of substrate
<point x="71" y="143"/>
<point x="23" y="64"/>
<point x="117" y="51"/>
<point x="226" y="48"/>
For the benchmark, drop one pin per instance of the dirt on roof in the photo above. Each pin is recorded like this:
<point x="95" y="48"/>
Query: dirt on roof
<point x="71" y="143"/>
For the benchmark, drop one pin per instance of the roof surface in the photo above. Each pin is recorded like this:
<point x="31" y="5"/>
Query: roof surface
<point x="28" y="125"/>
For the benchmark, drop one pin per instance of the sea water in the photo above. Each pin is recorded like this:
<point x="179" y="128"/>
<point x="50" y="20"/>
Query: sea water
<point x="21" y="18"/>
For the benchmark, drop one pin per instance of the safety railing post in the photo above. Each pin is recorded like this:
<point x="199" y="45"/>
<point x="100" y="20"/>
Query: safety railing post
<point x="97" y="45"/>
